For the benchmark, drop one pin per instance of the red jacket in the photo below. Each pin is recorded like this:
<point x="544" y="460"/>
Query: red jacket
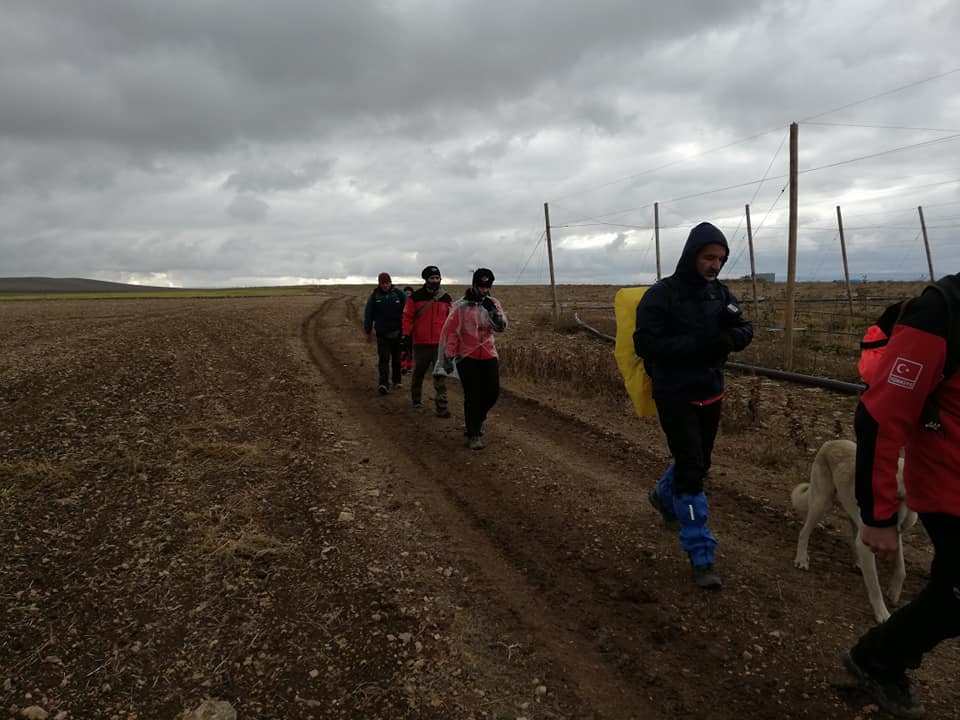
<point x="469" y="330"/>
<point x="431" y="311"/>
<point x="910" y="406"/>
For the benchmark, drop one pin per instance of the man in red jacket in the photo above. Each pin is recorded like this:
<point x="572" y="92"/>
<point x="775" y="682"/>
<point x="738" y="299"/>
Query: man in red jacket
<point x="913" y="404"/>
<point x="423" y="316"/>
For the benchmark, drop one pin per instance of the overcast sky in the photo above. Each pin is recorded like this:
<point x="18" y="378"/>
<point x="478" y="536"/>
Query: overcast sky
<point x="219" y="143"/>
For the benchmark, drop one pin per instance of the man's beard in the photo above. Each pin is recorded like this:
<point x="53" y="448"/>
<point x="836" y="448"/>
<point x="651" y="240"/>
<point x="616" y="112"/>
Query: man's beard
<point x="432" y="287"/>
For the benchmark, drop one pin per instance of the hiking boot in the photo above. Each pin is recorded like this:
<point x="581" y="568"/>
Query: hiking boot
<point x="893" y="696"/>
<point x="382" y="389"/>
<point x="417" y="404"/>
<point x="443" y="413"/>
<point x="669" y="517"/>
<point x="475" y="443"/>
<point x="397" y="385"/>
<point x="706" y="577"/>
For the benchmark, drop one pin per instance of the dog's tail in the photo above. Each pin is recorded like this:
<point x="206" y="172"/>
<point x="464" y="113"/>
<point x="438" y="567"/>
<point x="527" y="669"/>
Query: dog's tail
<point x="800" y="497"/>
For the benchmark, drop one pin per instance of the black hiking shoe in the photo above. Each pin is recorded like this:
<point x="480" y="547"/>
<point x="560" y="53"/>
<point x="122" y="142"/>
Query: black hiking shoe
<point x="706" y="578"/>
<point x="444" y="413"/>
<point x="893" y="696"/>
<point x="382" y="389"/>
<point x="669" y="517"/>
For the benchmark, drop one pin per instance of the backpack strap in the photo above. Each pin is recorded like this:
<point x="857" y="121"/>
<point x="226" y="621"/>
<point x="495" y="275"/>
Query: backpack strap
<point x="423" y="308"/>
<point x="878" y="334"/>
<point x="949" y="296"/>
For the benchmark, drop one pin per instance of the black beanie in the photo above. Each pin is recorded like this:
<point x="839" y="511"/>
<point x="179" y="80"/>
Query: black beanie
<point x="483" y="277"/>
<point x="430" y="270"/>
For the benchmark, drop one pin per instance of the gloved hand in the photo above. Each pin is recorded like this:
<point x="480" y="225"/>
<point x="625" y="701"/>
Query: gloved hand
<point x="734" y="339"/>
<point x="723" y="343"/>
<point x="406" y="343"/>
<point x="447" y="364"/>
<point x="719" y="345"/>
<point x="488" y="303"/>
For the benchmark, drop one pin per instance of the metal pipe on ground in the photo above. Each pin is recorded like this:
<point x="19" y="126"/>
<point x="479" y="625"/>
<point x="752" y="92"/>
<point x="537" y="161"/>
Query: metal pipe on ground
<point x="840" y="386"/>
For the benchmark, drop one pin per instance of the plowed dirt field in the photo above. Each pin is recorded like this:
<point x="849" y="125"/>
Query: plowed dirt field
<point x="208" y="499"/>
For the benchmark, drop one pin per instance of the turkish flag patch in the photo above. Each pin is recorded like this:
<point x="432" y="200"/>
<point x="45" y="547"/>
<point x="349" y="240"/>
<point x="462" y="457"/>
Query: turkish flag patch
<point x="905" y="373"/>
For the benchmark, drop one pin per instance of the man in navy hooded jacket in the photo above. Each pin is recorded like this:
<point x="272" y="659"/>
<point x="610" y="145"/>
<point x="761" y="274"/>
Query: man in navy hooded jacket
<point x="687" y="324"/>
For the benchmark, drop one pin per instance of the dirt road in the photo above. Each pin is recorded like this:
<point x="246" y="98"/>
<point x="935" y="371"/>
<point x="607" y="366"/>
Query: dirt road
<point x="207" y="498"/>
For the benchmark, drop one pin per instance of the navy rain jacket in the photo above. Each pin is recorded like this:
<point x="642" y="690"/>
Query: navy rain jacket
<point x="686" y="327"/>
<point x="384" y="312"/>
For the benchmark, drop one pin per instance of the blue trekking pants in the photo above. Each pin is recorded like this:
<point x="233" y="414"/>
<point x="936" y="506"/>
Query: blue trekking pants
<point x="690" y="431"/>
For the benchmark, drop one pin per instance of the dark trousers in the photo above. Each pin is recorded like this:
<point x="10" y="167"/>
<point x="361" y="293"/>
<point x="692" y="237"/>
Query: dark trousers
<point x="932" y="617"/>
<point x="424" y="356"/>
<point x="481" y="388"/>
<point x="691" y="431"/>
<point x="388" y="356"/>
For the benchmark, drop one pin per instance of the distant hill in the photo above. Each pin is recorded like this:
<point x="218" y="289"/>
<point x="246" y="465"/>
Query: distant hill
<point x="67" y="285"/>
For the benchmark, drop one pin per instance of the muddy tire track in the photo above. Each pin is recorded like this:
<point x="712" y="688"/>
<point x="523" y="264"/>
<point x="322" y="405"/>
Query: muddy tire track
<point x="555" y="513"/>
<point x="521" y="601"/>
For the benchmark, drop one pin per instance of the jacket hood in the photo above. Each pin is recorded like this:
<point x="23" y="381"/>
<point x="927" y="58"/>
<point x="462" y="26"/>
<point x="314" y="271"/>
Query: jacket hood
<point x="702" y="235"/>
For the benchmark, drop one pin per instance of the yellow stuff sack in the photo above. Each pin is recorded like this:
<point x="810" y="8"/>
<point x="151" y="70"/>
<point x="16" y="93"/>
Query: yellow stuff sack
<point x="635" y="378"/>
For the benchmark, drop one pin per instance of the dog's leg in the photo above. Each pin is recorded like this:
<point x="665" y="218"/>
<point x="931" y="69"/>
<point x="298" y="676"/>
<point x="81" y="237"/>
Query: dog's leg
<point x="855" y="545"/>
<point x="868" y="566"/>
<point x="817" y="508"/>
<point x="899" y="574"/>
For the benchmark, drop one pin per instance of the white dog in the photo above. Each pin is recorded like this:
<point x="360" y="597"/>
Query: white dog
<point x="832" y="475"/>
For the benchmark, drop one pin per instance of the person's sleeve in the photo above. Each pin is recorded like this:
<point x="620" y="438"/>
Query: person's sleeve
<point x="407" y="322"/>
<point x="498" y="318"/>
<point x="449" y="339"/>
<point x="651" y="339"/>
<point x="741" y="329"/>
<point x="368" y="315"/>
<point x="890" y="410"/>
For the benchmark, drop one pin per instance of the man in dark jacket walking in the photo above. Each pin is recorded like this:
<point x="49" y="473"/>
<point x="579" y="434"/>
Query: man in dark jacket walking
<point x="913" y="403"/>
<point x="384" y="312"/>
<point x="687" y="324"/>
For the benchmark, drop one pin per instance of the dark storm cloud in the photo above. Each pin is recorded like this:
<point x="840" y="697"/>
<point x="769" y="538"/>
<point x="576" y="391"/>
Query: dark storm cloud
<point x="209" y="141"/>
<point x="269" y="179"/>
<point x="247" y="208"/>
<point x="193" y="76"/>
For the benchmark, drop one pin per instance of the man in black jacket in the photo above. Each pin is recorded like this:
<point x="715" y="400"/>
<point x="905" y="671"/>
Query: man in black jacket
<point x="384" y="312"/>
<point x="687" y="324"/>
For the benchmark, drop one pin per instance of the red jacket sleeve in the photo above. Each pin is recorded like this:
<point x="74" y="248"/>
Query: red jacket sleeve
<point x="407" y="322"/>
<point x="890" y="411"/>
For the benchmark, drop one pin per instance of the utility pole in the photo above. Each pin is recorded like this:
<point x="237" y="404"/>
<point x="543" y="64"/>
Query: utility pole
<point x="926" y="243"/>
<point x="656" y="233"/>
<point x="843" y="254"/>
<point x="753" y="266"/>
<point x="791" y="248"/>
<point x="553" y="283"/>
